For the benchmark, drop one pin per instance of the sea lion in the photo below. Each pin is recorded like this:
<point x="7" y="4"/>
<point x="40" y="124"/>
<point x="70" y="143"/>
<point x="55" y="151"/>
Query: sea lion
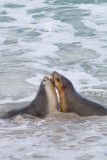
<point x="71" y="101"/>
<point x="43" y="104"/>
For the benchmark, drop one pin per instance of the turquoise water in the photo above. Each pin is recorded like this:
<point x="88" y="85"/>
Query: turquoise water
<point x="38" y="37"/>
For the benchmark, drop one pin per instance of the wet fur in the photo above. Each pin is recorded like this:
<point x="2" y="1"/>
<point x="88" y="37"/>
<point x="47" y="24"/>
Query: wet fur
<point x="71" y="101"/>
<point x="82" y="106"/>
<point x="38" y="107"/>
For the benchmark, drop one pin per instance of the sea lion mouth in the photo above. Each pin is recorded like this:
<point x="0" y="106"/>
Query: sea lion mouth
<point x="52" y="80"/>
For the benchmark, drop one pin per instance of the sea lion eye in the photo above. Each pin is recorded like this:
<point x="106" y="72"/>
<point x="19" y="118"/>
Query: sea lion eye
<point x="58" y="79"/>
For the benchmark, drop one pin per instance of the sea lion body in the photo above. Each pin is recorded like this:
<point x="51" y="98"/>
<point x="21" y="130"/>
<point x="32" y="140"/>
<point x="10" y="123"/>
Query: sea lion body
<point x="71" y="101"/>
<point x="43" y="104"/>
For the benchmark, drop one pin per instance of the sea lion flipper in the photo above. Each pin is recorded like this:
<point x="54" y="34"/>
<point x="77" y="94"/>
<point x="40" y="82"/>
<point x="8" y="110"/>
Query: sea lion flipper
<point x="11" y="114"/>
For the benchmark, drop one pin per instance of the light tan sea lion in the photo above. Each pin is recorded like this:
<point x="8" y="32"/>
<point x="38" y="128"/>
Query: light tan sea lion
<point x="43" y="104"/>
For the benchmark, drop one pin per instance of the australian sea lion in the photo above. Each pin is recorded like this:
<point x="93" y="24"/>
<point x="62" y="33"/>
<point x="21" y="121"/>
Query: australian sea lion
<point x="44" y="102"/>
<point x="71" y="101"/>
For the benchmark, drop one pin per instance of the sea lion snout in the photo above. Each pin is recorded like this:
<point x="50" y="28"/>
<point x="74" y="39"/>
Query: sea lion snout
<point x="56" y="77"/>
<point x="47" y="81"/>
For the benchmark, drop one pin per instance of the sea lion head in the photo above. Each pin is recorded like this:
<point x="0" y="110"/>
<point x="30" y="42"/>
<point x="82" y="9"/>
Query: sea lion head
<point x="51" y="93"/>
<point x="61" y="82"/>
<point x="47" y="82"/>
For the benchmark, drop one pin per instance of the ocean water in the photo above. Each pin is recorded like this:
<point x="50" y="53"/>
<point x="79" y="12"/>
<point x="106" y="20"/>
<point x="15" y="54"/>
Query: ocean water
<point x="38" y="37"/>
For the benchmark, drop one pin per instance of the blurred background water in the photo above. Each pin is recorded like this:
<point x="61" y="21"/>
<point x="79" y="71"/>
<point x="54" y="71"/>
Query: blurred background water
<point x="36" y="38"/>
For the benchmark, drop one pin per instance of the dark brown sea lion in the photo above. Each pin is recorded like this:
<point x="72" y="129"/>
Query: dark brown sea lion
<point x="71" y="101"/>
<point x="44" y="103"/>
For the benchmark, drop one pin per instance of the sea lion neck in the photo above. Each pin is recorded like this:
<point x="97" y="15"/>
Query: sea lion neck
<point x="41" y="90"/>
